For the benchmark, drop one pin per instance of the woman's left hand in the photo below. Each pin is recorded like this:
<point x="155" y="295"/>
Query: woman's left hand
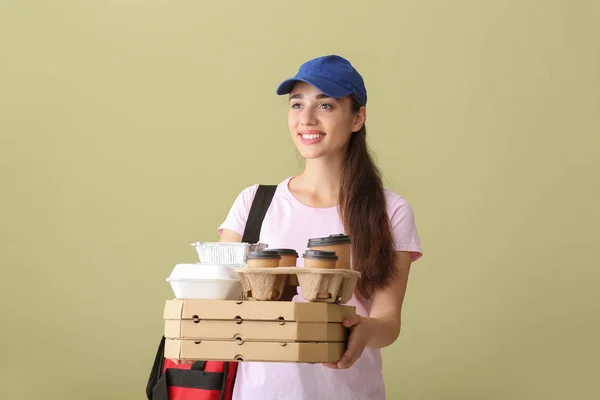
<point x="361" y="331"/>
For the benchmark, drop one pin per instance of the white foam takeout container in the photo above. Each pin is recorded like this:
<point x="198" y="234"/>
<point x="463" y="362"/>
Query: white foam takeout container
<point x="205" y="281"/>
<point x="231" y="253"/>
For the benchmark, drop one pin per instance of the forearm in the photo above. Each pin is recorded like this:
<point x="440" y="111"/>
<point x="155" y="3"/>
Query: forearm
<point x="385" y="331"/>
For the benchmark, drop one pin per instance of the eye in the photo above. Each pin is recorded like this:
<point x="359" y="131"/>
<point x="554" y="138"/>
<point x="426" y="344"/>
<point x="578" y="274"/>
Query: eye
<point x="326" y="106"/>
<point x="295" y="105"/>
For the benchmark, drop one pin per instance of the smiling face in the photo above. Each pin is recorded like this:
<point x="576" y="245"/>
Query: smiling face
<point x="321" y="126"/>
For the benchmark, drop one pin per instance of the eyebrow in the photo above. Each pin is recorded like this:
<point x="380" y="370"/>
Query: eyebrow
<point x="300" y="96"/>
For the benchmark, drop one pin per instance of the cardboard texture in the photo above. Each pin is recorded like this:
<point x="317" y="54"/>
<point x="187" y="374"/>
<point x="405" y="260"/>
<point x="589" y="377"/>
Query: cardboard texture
<point x="256" y="330"/>
<point x="317" y="284"/>
<point x="257" y="311"/>
<point x="253" y="351"/>
<point x="230" y="330"/>
<point x="261" y="285"/>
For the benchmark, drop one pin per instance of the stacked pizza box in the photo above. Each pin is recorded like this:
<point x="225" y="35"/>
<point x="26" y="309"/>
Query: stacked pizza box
<point x="232" y="305"/>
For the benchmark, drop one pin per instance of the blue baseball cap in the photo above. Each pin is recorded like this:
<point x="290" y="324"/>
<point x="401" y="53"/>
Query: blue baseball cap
<point x="333" y="75"/>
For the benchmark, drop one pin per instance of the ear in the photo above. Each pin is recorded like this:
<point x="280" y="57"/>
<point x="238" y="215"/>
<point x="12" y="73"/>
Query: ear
<point x="359" y="119"/>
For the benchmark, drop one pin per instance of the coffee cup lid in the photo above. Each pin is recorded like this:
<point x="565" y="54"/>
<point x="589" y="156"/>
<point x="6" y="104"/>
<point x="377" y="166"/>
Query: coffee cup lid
<point x="257" y="255"/>
<point x="284" y="252"/>
<point x="339" y="238"/>
<point x="320" y="255"/>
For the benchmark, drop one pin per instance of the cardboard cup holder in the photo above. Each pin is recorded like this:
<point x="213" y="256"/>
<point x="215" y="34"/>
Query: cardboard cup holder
<point x="317" y="284"/>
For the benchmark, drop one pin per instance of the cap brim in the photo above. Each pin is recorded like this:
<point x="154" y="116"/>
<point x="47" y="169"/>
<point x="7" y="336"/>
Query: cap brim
<point x="326" y="86"/>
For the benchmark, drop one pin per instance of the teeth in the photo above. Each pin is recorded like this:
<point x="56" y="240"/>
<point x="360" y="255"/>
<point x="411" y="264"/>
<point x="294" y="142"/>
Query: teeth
<point x="309" y="136"/>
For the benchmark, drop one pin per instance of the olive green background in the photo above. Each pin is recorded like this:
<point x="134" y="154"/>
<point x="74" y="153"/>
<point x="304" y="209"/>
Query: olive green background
<point x="128" y="128"/>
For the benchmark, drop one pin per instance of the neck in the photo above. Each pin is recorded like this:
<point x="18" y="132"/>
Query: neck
<point x="322" y="178"/>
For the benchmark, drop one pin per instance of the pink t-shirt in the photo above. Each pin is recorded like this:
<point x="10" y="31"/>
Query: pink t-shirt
<point x="289" y="224"/>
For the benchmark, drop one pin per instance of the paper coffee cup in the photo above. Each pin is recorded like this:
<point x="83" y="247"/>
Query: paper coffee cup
<point x="289" y="257"/>
<point x="320" y="259"/>
<point x="340" y="244"/>
<point x="263" y="259"/>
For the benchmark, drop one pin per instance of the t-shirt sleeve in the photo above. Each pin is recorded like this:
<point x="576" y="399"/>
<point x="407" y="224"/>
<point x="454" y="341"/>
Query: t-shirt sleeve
<point x="404" y="229"/>
<point x="238" y="213"/>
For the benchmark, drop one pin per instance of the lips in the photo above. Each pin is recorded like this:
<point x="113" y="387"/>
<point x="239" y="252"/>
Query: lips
<point x="311" y="136"/>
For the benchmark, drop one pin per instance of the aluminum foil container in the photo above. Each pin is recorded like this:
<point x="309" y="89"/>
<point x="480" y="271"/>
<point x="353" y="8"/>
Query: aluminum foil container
<point x="233" y="254"/>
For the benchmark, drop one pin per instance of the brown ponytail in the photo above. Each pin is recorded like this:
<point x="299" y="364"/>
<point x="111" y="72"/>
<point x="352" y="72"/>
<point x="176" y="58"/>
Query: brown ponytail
<point x="363" y="211"/>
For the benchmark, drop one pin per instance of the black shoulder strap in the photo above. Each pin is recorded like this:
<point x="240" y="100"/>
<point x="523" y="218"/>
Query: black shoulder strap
<point x="260" y="205"/>
<point x="157" y="369"/>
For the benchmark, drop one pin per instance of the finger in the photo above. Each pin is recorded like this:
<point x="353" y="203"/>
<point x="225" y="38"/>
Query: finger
<point x="351" y="321"/>
<point x="353" y="348"/>
<point x="331" y="365"/>
<point x="174" y="361"/>
<point x="347" y="362"/>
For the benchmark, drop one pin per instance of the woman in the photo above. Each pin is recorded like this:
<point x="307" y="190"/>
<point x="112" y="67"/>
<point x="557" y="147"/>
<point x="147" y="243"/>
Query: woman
<point x="339" y="191"/>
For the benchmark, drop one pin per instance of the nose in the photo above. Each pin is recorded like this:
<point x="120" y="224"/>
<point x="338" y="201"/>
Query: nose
<point x="308" y="117"/>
